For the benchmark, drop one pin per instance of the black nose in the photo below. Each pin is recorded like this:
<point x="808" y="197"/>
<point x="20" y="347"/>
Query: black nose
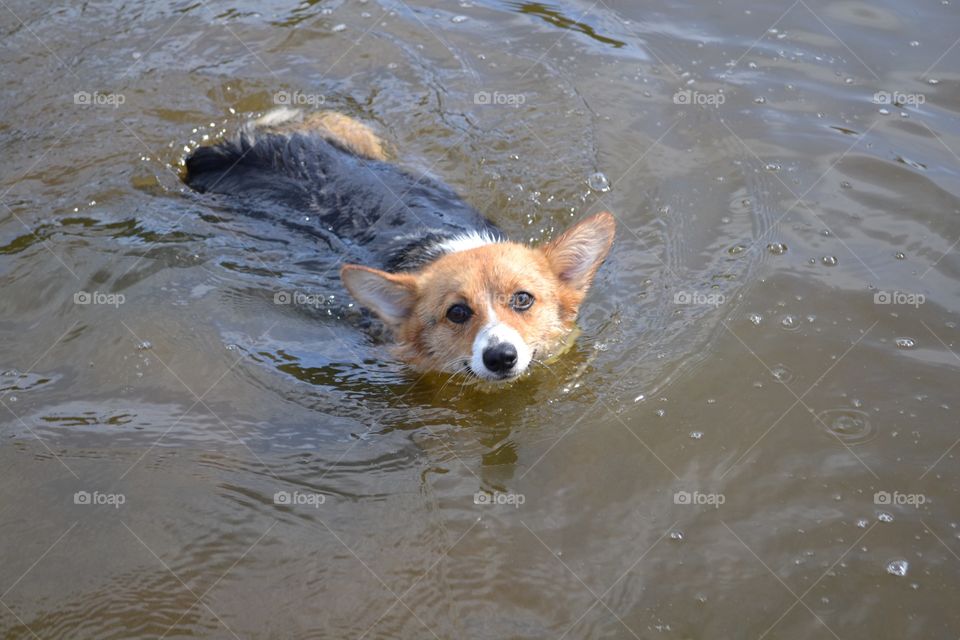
<point x="500" y="357"/>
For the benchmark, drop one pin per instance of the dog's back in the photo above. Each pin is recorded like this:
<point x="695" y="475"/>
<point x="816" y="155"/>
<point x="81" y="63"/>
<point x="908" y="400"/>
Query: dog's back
<point x="327" y="175"/>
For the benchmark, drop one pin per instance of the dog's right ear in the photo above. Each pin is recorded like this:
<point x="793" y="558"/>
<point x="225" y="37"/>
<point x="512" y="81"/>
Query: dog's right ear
<point x="389" y="295"/>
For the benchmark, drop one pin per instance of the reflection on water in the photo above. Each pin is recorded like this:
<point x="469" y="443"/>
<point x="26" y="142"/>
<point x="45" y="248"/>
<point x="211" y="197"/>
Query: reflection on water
<point x="762" y="396"/>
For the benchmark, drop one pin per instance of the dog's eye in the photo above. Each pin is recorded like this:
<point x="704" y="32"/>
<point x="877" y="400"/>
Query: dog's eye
<point x="521" y="301"/>
<point x="459" y="313"/>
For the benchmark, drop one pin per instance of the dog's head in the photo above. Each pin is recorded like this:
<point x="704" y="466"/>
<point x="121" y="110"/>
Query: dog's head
<point x="487" y="311"/>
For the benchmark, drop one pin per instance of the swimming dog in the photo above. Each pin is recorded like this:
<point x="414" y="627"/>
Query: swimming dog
<point x="455" y="293"/>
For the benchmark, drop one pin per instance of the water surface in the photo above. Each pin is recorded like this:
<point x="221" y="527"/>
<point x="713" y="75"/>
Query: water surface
<point x="755" y="436"/>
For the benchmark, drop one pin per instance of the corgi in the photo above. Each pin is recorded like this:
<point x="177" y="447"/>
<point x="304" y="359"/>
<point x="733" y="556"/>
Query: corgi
<point x="454" y="292"/>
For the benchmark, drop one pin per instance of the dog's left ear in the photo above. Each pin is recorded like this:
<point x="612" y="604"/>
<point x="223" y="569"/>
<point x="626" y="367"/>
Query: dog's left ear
<point x="580" y="250"/>
<point x="389" y="295"/>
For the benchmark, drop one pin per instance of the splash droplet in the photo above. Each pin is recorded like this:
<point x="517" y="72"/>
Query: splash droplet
<point x="829" y="261"/>
<point x="756" y="318"/>
<point x="782" y="373"/>
<point x="898" y="568"/>
<point x="790" y="323"/>
<point x="696" y="435"/>
<point x="777" y="248"/>
<point x="599" y="182"/>
<point x="905" y="343"/>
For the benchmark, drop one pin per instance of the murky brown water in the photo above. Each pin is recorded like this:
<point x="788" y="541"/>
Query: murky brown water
<point x="772" y="346"/>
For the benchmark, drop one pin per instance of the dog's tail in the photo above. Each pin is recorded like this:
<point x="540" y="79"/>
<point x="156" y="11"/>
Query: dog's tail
<point x="211" y="166"/>
<point x="340" y="129"/>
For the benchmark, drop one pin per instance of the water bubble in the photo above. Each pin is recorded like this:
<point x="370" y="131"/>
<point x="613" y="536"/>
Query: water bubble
<point x="640" y="398"/>
<point x="696" y="435"/>
<point x="849" y="425"/>
<point x="862" y="523"/>
<point x="599" y="182"/>
<point x="340" y="27"/>
<point x="846" y="185"/>
<point x="933" y="81"/>
<point x="901" y="256"/>
<point x="676" y="535"/>
<point x="777" y="248"/>
<point x="829" y="261"/>
<point x="883" y="516"/>
<point x="458" y="19"/>
<point x="898" y="568"/>
<point x="143" y="346"/>
<point x="914" y="43"/>
<point x="790" y="323"/>
<point x="660" y="413"/>
<point x="756" y="318"/>
<point x="736" y="249"/>
<point x="782" y="373"/>
<point x="884" y="112"/>
<point x="905" y="343"/>
<point x="772" y="166"/>
<point x="760" y="100"/>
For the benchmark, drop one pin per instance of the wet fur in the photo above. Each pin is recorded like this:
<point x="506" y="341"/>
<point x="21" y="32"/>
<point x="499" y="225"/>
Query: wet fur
<point x="422" y="248"/>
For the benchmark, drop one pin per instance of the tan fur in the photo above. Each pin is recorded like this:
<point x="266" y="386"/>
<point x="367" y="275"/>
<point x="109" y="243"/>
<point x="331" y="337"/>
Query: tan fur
<point x="485" y="279"/>
<point x="349" y="133"/>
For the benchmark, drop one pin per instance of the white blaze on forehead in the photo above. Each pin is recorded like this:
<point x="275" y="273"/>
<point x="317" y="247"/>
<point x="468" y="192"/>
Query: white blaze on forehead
<point x="493" y="333"/>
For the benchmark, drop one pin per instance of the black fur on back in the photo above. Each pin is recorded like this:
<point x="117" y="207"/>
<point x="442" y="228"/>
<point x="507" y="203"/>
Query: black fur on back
<point x="371" y="210"/>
